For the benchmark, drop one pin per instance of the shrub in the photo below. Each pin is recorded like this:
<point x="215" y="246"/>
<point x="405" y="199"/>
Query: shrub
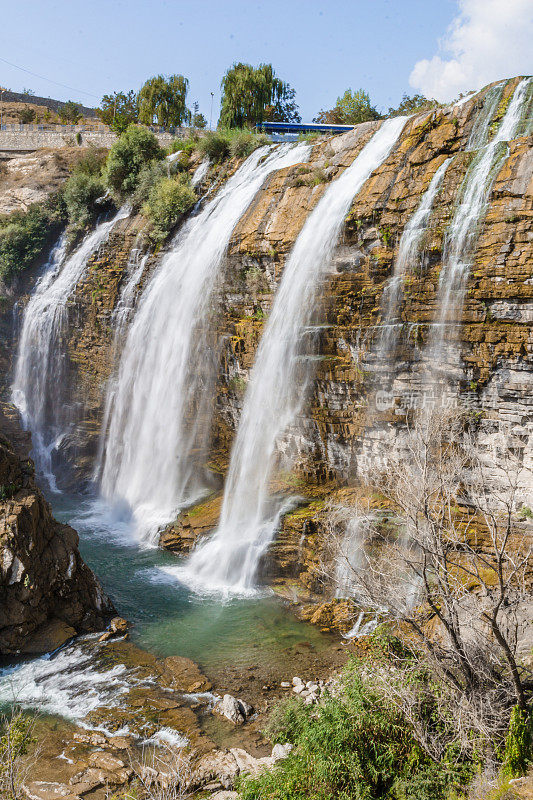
<point x="243" y="143"/>
<point x="310" y="136"/>
<point x="219" y="145"/>
<point x="148" y="177"/>
<point x="168" y="200"/>
<point x="215" y="145"/>
<point x="16" y="737"/>
<point x="70" y="113"/>
<point x="91" y="162"/>
<point x="26" y="115"/>
<point x="80" y="195"/>
<point x="25" y="236"/>
<point x="519" y="743"/>
<point x="183" y="145"/>
<point x="136" y="147"/>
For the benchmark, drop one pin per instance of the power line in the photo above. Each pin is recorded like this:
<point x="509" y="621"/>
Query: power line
<point x="35" y="75"/>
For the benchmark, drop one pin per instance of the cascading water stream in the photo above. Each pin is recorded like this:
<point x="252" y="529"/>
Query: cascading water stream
<point x="463" y="231"/>
<point x="277" y="385"/>
<point x="408" y="253"/>
<point x="126" y="301"/>
<point x="42" y="363"/>
<point x="119" y="322"/>
<point x="160" y="414"/>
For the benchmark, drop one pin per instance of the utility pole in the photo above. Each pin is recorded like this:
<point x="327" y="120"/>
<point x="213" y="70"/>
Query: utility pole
<point x="211" y="113"/>
<point x="2" y="90"/>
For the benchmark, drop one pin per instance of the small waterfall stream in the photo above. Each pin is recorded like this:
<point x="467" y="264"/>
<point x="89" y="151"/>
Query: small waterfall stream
<point x="160" y="413"/>
<point x="276" y="389"/>
<point x="462" y="234"/>
<point x="408" y="253"/>
<point x="42" y="363"/>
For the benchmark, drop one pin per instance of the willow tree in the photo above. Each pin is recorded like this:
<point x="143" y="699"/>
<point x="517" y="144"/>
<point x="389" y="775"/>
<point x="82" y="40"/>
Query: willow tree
<point x="251" y="95"/>
<point x="162" y="100"/>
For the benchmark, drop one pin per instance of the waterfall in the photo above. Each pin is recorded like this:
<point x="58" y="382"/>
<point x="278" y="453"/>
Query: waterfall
<point x="126" y="301"/>
<point x="162" y="399"/>
<point x="119" y="321"/>
<point x="200" y="172"/>
<point x="464" y="228"/>
<point x="348" y="559"/>
<point x="408" y="253"/>
<point x="41" y="370"/>
<point x="277" y="384"/>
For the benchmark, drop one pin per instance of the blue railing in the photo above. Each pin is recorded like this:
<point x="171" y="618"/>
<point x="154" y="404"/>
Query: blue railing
<point x="301" y="127"/>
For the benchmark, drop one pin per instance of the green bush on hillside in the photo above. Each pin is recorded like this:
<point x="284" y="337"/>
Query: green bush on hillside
<point x="215" y="145"/>
<point x="80" y="194"/>
<point x="518" y="753"/>
<point x="243" y="143"/>
<point x="136" y="147"/>
<point x="168" y="200"/>
<point x="26" y="235"/>
<point x="223" y="143"/>
<point x="183" y="145"/>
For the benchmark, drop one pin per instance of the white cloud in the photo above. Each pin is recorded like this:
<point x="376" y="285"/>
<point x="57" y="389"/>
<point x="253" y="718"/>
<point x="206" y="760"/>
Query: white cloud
<point x="488" y="40"/>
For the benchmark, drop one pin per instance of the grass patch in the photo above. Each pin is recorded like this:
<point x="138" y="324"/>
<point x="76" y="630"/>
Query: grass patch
<point x="352" y="746"/>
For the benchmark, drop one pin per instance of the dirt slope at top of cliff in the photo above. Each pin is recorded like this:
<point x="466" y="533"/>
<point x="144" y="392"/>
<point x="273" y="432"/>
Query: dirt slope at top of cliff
<point x="33" y="177"/>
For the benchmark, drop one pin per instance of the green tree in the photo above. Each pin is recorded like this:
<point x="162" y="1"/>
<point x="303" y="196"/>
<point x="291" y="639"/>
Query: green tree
<point x="70" y="113"/>
<point x="411" y="104"/>
<point x="163" y="100"/>
<point x="197" y="120"/>
<point x="118" y="110"/>
<point x="26" y="115"/>
<point x="350" y="109"/>
<point x="251" y="95"/>
<point x="136" y="147"/>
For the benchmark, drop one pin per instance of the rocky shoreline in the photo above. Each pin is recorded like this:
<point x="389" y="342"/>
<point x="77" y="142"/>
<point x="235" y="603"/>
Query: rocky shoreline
<point x="169" y="718"/>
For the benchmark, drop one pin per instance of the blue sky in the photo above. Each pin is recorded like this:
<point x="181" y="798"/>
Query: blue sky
<point x="320" y="47"/>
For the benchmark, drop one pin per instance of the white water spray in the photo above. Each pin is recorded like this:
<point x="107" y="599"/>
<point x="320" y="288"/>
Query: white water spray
<point x="42" y="361"/>
<point x="277" y="385"/>
<point x="407" y="258"/>
<point x="161" y="410"/>
<point x="464" y="229"/>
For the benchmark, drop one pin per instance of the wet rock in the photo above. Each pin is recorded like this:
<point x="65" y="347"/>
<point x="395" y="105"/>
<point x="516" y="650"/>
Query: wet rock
<point x="219" y="766"/>
<point x="234" y="709"/>
<point x="105" y="761"/>
<point x="45" y="790"/>
<point x="118" y="625"/>
<point x="49" y="637"/>
<point x="121" y="742"/>
<point x="184" y="675"/>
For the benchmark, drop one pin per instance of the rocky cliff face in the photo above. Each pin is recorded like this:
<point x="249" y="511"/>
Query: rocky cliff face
<point x="341" y="430"/>
<point x="47" y="593"/>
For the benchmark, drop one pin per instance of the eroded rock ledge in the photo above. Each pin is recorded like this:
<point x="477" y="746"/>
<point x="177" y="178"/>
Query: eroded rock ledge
<point x="47" y="593"/>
